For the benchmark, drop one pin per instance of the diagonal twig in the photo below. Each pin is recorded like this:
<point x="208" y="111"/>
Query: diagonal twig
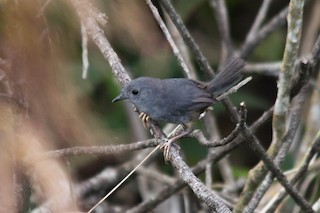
<point x="274" y="203"/>
<point x="198" y="134"/>
<point x="221" y="14"/>
<point x="195" y="50"/>
<point x="166" y="32"/>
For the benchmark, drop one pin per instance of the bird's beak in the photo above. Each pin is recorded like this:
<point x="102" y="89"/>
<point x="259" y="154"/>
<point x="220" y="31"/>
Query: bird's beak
<point x="119" y="98"/>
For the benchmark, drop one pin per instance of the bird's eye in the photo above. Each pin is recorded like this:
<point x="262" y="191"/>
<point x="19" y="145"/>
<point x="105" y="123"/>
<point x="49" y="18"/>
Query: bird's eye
<point x="135" y="92"/>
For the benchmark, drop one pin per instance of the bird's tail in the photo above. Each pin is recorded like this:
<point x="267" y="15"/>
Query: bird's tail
<point x="227" y="78"/>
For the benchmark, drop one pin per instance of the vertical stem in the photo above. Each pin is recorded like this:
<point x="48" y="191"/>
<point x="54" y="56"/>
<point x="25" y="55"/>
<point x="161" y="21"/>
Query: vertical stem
<point x="287" y="69"/>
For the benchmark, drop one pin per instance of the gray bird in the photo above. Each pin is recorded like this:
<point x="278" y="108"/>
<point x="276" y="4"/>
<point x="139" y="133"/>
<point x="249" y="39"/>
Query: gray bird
<point x="179" y="100"/>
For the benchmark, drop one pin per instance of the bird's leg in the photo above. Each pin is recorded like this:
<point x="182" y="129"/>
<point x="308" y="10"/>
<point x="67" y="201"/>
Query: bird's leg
<point x="144" y="118"/>
<point x="175" y="136"/>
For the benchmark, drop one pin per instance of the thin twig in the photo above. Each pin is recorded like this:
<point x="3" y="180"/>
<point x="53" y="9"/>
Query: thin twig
<point x="124" y="179"/>
<point x="198" y="134"/>
<point x="316" y="51"/>
<point x="210" y="127"/>
<point x="84" y="44"/>
<point x="234" y="88"/>
<point x="221" y="14"/>
<point x="181" y="46"/>
<point x="278" y="21"/>
<point x="166" y="32"/>
<point x="276" y="200"/>
<point x="251" y="36"/>
<point x="89" y="17"/>
<point x="176" y="19"/>
<point x="275" y="23"/>
<point x="269" y="69"/>
<point x="110" y="149"/>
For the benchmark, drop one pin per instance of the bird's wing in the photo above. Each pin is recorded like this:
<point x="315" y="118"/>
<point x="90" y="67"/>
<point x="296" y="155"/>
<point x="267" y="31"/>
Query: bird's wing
<point x="190" y="96"/>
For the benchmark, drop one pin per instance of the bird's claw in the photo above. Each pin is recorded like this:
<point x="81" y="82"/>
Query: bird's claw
<point x="174" y="136"/>
<point x="144" y="118"/>
<point x="166" y="149"/>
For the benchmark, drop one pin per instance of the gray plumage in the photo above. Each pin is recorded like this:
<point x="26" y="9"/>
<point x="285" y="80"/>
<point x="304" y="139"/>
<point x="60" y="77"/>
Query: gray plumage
<point x="179" y="100"/>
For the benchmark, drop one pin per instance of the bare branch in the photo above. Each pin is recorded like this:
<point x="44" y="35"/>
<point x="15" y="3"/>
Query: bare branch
<point x="234" y="88"/>
<point x="221" y="14"/>
<point x="275" y="23"/>
<point x="274" y="168"/>
<point x="202" y="140"/>
<point x="85" y="60"/>
<point x="251" y="36"/>
<point x="176" y="19"/>
<point x="181" y="46"/>
<point x="316" y="51"/>
<point x="214" y="157"/>
<point x="255" y="146"/>
<point x="276" y="200"/>
<point x="270" y="69"/>
<point x="166" y="32"/>
<point x="89" y="18"/>
<point x="287" y="69"/>
<point x="260" y="172"/>
<point x="106" y="150"/>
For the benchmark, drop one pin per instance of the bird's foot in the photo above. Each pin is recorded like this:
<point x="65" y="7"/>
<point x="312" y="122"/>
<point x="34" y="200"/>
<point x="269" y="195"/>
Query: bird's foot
<point x="144" y="118"/>
<point x="167" y="145"/>
<point x="166" y="148"/>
